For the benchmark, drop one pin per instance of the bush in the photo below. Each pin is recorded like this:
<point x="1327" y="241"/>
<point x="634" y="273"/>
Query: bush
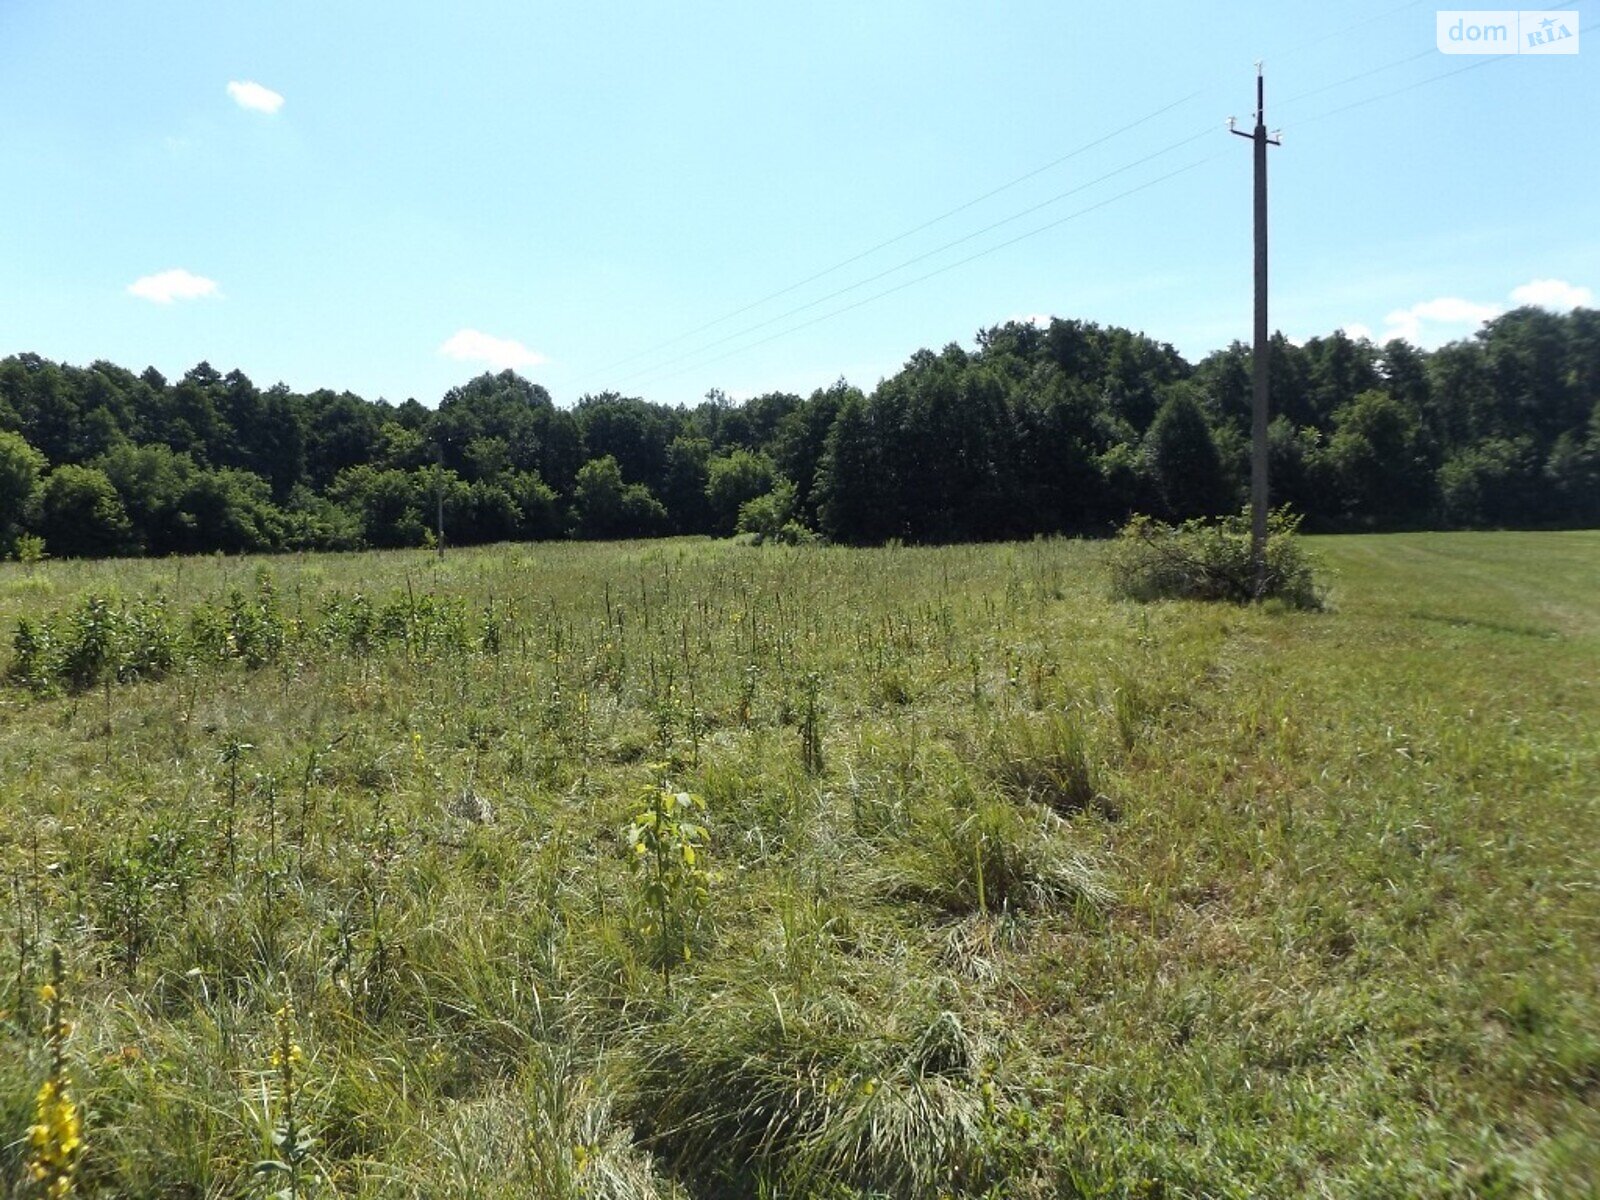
<point x="606" y="507"/>
<point x="770" y="518"/>
<point x="1205" y="560"/>
<point x="97" y="640"/>
<point x="29" y="549"/>
<point x="733" y="480"/>
<point x="80" y="514"/>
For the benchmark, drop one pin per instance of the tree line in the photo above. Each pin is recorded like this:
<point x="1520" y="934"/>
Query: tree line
<point x="1069" y="428"/>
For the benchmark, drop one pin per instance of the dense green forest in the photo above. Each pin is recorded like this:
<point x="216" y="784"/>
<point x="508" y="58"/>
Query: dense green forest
<point x="1068" y="429"/>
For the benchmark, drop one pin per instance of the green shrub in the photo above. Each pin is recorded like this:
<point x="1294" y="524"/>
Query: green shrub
<point x="29" y="549"/>
<point x="33" y="654"/>
<point x="667" y="847"/>
<point x="102" y="638"/>
<point x="770" y="517"/>
<point x="1211" y="560"/>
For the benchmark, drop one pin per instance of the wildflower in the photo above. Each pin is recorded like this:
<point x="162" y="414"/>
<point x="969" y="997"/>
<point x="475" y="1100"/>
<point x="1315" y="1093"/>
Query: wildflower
<point x="290" y="1139"/>
<point x="56" y="1135"/>
<point x="55" y="1138"/>
<point x="287" y="1052"/>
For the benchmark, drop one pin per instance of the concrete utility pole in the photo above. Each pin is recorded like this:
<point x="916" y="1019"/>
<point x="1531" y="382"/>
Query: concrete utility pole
<point x="1258" y="421"/>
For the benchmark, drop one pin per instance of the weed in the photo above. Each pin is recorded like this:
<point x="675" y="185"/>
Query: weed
<point x="1047" y="760"/>
<point x="1133" y="706"/>
<point x="1335" y="943"/>
<point x="668" y="850"/>
<point x="285" y="1169"/>
<point x="55" y="1140"/>
<point x="811" y="724"/>
<point x="800" y="1092"/>
<point x="986" y="856"/>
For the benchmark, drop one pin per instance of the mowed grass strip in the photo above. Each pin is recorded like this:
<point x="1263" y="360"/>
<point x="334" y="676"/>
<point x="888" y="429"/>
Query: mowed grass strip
<point x="999" y="886"/>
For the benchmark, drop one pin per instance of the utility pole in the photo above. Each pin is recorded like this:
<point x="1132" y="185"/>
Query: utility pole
<point x="1258" y="418"/>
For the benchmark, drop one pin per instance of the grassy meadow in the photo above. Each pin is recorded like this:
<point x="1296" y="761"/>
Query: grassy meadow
<point x="692" y="869"/>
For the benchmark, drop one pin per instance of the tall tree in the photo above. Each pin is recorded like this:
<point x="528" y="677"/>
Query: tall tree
<point x="1183" y="460"/>
<point x="80" y="515"/>
<point x="20" y="468"/>
<point x="1378" y="462"/>
<point x="853" y="499"/>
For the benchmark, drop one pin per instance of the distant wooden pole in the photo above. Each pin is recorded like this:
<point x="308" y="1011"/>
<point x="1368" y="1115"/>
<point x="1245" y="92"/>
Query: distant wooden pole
<point x="1259" y="493"/>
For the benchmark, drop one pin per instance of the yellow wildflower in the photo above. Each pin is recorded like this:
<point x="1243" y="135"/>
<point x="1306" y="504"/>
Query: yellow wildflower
<point x="54" y="1138"/>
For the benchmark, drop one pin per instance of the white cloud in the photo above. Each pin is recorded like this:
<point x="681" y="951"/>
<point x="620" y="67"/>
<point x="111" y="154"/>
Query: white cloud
<point x="177" y="284"/>
<point x="1355" y="331"/>
<point x="1434" y="322"/>
<point x="469" y="345"/>
<point x="254" y="97"/>
<point x="1557" y="295"/>
<point x="1452" y="310"/>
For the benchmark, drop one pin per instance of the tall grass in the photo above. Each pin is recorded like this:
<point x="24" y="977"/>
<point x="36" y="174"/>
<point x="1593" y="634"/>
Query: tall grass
<point x="999" y="886"/>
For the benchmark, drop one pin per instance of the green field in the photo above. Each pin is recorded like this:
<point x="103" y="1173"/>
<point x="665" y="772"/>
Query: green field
<point x="999" y="887"/>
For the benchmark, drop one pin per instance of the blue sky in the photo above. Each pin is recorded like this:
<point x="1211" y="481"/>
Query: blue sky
<point x="393" y="197"/>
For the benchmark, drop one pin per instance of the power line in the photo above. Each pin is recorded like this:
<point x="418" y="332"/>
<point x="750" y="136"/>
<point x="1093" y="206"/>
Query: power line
<point x="961" y="262"/>
<point x="852" y="259"/>
<point x="1017" y="216"/>
<point x="1361" y="24"/>
<point x="654" y="370"/>
<point x="1400" y="91"/>
<point x="1461" y="70"/>
<point x="887" y="242"/>
<point x="1399" y="62"/>
<point x="1328" y="87"/>
<point x="1021" y="237"/>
